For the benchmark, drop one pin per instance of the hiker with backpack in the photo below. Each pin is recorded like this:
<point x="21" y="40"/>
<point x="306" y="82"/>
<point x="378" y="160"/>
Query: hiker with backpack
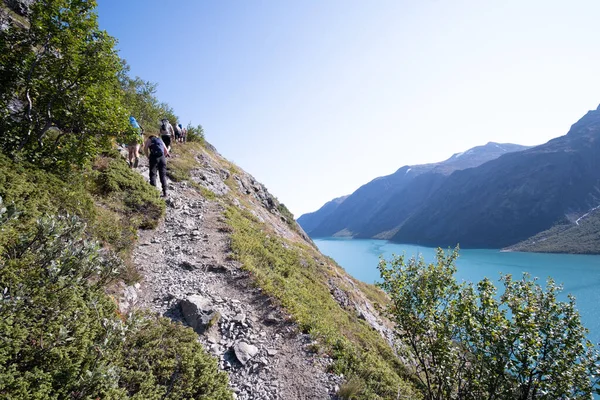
<point x="177" y="132"/>
<point x="166" y="132"/>
<point x="184" y="135"/>
<point x="157" y="152"/>
<point x="134" y="137"/>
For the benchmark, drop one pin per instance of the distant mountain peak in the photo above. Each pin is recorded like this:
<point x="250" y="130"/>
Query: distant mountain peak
<point x="501" y="146"/>
<point x="588" y="124"/>
<point x="476" y="156"/>
<point x="340" y="199"/>
<point x="356" y="213"/>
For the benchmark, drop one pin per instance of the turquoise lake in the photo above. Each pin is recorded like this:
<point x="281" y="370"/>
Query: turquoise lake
<point x="579" y="274"/>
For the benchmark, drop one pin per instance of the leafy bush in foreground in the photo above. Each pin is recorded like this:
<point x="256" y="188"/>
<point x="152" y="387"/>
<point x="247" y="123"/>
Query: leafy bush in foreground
<point x="466" y="343"/>
<point x="61" y="337"/>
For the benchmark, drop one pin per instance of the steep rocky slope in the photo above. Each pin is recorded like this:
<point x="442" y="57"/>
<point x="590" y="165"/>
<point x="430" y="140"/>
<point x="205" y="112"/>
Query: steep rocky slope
<point x="516" y="196"/>
<point x="285" y="321"/>
<point x="379" y="208"/>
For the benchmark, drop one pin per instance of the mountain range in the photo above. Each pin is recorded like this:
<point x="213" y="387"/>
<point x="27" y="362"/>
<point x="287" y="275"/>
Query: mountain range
<point x="542" y="198"/>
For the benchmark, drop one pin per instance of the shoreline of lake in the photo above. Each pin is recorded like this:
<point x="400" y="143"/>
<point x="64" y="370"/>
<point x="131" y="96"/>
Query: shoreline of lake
<point x="578" y="273"/>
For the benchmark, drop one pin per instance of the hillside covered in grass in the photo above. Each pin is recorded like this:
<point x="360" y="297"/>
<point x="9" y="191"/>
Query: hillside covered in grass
<point x="580" y="236"/>
<point x="72" y="211"/>
<point x="63" y="245"/>
<point x="69" y="217"/>
<point x="108" y="291"/>
<point x="339" y="313"/>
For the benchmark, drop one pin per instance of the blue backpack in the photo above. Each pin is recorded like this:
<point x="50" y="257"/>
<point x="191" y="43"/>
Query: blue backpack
<point x="133" y="122"/>
<point x="156" y="147"/>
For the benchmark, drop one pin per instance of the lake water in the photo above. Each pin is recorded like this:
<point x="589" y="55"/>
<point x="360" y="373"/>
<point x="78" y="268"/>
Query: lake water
<point x="579" y="274"/>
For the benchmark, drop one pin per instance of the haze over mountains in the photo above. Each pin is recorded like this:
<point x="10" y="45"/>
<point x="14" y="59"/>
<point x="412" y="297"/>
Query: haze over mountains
<point x="491" y="196"/>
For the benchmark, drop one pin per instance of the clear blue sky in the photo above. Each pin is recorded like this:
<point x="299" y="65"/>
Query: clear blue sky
<point x="316" y="97"/>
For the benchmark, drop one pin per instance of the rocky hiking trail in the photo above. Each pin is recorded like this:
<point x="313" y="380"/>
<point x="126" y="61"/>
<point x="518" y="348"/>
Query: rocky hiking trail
<point x="189" y="276"/>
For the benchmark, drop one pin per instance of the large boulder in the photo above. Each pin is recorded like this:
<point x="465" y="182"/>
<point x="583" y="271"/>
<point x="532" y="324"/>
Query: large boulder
<point x="198" y="312"/>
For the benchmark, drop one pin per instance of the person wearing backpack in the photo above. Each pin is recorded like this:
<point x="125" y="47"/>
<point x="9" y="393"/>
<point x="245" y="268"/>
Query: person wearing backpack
<point x="183" y="135"/>
<point x="134" y="138"/>
<point x="166" y="132"/>
<point x="177" y="128"/>
<point x="157" y="152"/>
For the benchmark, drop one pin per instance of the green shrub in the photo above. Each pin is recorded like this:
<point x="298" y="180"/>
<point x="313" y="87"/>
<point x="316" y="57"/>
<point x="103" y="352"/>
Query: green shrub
<point x="61" y="337"/>
<point x="118" y="185"/>
<point x="56" y="325"/>
<point x="351" y="389"/>
<point x="127" y="201"/>
<point x="287" y="214"/>
<point x="195" y="133"/>
<point x="467" y="342"/>
<point x="164" y="360"/>
<point x="112" y="199"/>
<point x="39" y="193"/>
<point x="113" y="229"/>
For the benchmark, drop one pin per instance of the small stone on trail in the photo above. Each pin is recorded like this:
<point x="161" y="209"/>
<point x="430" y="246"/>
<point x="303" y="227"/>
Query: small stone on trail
<point x="239" y="318"/>
<point x="244" y="352"/>
<point x="272" y="318"/>
<point x="187" y="265"/>
<point x="272" y="352"/>
<point x="219" y="268"/>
